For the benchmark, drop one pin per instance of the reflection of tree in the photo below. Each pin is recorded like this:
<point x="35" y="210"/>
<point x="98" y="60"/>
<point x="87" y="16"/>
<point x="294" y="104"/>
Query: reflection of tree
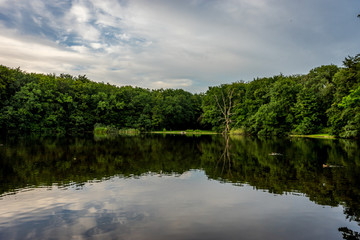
<point x="225" y="158"/>
<point x="298" y="169"/>
<point x="349" y="234"/>
<point x="37" y="161"/>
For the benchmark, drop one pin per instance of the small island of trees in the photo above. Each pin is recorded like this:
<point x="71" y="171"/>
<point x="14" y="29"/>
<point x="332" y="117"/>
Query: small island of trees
<point x="326" y="100"/>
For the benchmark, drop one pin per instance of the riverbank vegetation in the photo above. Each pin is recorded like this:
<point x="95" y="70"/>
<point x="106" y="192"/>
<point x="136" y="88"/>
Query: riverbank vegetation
<point x="326" y="100"/>
<point x="187" y="132"/>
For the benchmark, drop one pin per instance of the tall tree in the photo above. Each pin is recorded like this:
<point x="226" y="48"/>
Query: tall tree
<point x="341" y="115"/>
<point x="226" y="106"/>
<point x="218" y="105"/>
<point x="314" y="98"/>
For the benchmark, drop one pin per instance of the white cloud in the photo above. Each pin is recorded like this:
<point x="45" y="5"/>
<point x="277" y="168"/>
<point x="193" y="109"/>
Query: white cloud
<point x="173" y="83"/>
<point x="97" y="45"/>
<point x="183" y="44"/>
<point x="80" y="13"/>
<point x="32" y="56"/>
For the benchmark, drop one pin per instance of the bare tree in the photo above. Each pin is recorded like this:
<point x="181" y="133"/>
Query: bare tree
<point x="225" y="105"/>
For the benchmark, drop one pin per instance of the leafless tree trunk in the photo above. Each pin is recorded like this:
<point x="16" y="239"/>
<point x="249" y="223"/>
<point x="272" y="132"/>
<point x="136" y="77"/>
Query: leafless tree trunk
<point x="225" y="107"/>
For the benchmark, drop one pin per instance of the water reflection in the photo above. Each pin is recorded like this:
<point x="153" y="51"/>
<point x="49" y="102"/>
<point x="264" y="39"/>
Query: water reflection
<point x="120" y="188"/>
<point x="165" y="207"/>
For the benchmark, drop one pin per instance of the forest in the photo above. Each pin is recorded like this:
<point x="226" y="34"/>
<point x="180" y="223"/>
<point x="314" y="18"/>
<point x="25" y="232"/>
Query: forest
<point x="325" y="100"/>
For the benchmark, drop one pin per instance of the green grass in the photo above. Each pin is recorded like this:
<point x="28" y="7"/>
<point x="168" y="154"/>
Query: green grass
<point x="104" y="131"/>
<point x="131" y="131"/>
<point x="320" y="135"/>
<point x="100" y="131"/>
<point x="237" y="131"/>
<point x="186" y="132"/>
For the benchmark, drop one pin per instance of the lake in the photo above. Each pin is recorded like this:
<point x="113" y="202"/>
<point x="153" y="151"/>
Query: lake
<point x="178" y="187"/>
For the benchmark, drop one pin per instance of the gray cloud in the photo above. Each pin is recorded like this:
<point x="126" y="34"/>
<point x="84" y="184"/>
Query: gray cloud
<point x="179" y="44"/>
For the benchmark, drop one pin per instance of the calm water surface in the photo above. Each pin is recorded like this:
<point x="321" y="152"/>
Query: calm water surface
<point x="178" y="187"/>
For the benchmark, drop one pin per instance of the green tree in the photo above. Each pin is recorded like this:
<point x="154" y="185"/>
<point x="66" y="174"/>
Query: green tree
<point x="314" y="98"/>
<point x="277" y="116"/>
<point x="342" y="116"/>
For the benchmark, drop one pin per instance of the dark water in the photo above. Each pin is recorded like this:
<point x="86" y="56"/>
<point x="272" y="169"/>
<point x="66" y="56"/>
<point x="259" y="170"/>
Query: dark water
<point x="178" y="187"/>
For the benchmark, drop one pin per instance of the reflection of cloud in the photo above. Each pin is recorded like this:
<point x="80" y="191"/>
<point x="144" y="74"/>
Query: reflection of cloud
<point x="114" y="223"/>
<point x="186" y="175"/>
<point x="150" y="207"/>
<point x="64" y="214"/>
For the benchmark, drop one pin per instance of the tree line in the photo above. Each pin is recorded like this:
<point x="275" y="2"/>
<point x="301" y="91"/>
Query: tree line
<point x="37" y="102"/>
<point x="326" y="100"/>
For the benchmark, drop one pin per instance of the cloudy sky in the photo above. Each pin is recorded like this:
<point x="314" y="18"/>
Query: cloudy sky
<point x="189" y="44"/>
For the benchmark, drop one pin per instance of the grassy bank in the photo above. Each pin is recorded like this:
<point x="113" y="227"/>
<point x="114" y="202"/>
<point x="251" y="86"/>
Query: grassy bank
<point x="186" y="132"/>
<point x="104" y="131"/>
<point x="321" y="135"/>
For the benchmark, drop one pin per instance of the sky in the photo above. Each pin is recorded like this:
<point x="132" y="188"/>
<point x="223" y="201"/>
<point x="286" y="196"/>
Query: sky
<point x="188" y="44"/>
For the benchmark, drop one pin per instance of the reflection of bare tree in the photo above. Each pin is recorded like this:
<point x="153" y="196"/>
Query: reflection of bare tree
<point x="225" y="157"/>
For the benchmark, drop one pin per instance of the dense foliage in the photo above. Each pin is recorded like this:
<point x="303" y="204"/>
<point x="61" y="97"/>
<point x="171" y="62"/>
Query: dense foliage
<point x="326" y="100"/>
<point x="49" y="103"/>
